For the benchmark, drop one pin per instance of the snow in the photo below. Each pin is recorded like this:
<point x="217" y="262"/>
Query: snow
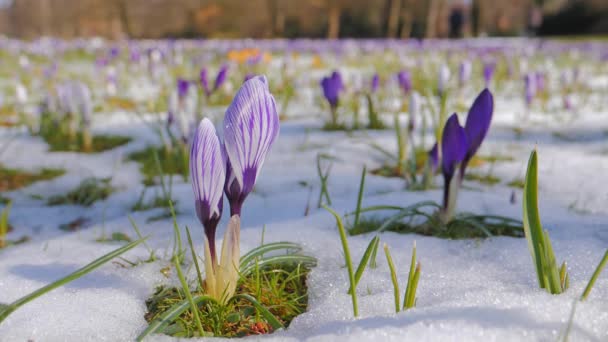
<point x="469" y="290"/>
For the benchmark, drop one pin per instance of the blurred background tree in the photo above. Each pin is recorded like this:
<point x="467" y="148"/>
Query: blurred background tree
<point x="300" y="18"/>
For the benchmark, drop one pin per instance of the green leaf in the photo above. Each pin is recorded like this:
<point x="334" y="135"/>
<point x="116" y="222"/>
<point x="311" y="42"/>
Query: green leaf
<point x="391" y="266"/>
<point x="280" y="260"/>
<point x="8" y="309"/>
<point x="269" y="247"/>
<point x="531" y="217"/>
<point x="373" y="244"/>
<point x="270" y="318"/>
<point x="596" y="274"/>
<point x="159" y="324"/>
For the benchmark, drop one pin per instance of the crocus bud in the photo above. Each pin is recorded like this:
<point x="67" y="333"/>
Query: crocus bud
<point x="207" y="167"/>
<point x="477" y="125"/>
<point x="442" y="79"/>
<point x="375" y="83"/>
<point x="332" y="86"/>
<point x="405" y="81"/>
<point x="251" y="125"/>
<point x="453" y="151"/>
<point x="221" y="77"/>
<point x="488" y="72"/>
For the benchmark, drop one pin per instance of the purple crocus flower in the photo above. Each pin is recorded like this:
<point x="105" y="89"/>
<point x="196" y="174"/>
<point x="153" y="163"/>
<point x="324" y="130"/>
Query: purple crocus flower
<point x="488" y="72"/>
<point x="251" y="125"/>
<point x="434" y="158"/>
<point x="332" y="86"/>
<point x="454" y="148"/>
<point x="375" y="83"/>
<point x="530" y="88"/>
<point x="205" y="82"/>
<point x="182" y="87"/>
<point x="405" y="81"/>
<point x="221" y="77"/>
<point x="477" y="124"/>
<point x="207" y="167"/>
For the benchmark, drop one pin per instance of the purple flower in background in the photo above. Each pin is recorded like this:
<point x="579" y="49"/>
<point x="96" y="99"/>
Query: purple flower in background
<point x="529" y="88"/>
<point x="464" y="72"/>
<point x="207" y="167"/>
<point x="454" y="148"/>
<point x="405" y="81"/>
<point x="477" y="125"/>
<point x="332" y="86"/>
<point x="488" y="72"/>
<point x="182" y="87"/>
<point x="114" y="52"/>
<point x="205" y="82"/>
<point x="221" y="77"/>
<point x="251" y="125"/>
<point x="539" y="79"/>
<point x="375" y="83"/>
<point x="434" y="158"/>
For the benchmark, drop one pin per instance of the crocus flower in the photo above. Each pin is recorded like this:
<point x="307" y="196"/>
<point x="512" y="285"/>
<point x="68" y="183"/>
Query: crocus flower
<point x="405" y="81"/>
<point x="375" y="83"/>
<point x="442" y="79"/>
<point x="529" y="88"/>
<point x="208" y="170"/>
<point x="434" y="158"/>
<point x="221" y="77"/>
<point x="454" y="148"/>
<point x="182" y="88"/>
<point x="332" y="86"/>
<point x="488" y="72"/>
<point x="251" y="125"/>
<point x="204" y="82"/>
<point x="477" y="125"/>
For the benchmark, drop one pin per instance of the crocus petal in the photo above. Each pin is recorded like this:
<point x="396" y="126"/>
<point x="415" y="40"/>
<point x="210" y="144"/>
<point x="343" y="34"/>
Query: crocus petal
<point x="453" y="146"/>
<point x="478" y="122"/>
<point x="434" y="158"/>
<point x="251" y="125"/>
<point x="207" y="167"/>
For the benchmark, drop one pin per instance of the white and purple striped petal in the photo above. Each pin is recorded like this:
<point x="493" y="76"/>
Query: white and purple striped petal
<point x="251" y="125"/>
<point x="207" y="167"/>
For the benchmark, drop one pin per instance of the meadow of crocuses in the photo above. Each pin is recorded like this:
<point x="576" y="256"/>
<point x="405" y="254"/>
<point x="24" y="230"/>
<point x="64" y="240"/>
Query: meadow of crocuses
<point x="356" y="190"/>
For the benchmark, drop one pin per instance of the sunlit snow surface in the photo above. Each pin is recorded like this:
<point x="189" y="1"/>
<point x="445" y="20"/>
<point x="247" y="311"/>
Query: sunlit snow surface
<point x="470" y="290"/>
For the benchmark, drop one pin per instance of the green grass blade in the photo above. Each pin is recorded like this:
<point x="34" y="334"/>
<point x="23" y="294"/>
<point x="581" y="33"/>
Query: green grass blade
<point x="413" y="288"/>
<point x="410" y="278"/>
<point x="193" y="306"/>
<point x="349" y="263"/>
<point x="391" y="266"/>
<point x="372" y="260"/>
<point x="596" y="274"/>
<point x="170" y="316"/>
<point x="194" y="258"/>
<point x="373" y="244"/>
<point x="266" y="248"/>
<point x="69" y="278"/>
<point x="531" y="217"/>
<point x="280" y="260"/>
<point x="270" y="318"/>
<point x="360" y="197"/>
<point x="551" y="266"/>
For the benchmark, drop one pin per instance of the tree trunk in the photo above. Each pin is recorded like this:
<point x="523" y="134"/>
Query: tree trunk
<point x="431" y="19"/>
<point x="333" y="29"/>
<point x="406" y="28"/>
<point x="393" y="18"/>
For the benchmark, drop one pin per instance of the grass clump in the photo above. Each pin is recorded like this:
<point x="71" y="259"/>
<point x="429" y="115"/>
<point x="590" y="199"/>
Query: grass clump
<point x="487" y="179"/>
<point x="61" y="143"/>
<point x="86" y="193"/>
<point x="172" y="161"/>
<point x="12" y="179"/>
<point x="280" y="288"/>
